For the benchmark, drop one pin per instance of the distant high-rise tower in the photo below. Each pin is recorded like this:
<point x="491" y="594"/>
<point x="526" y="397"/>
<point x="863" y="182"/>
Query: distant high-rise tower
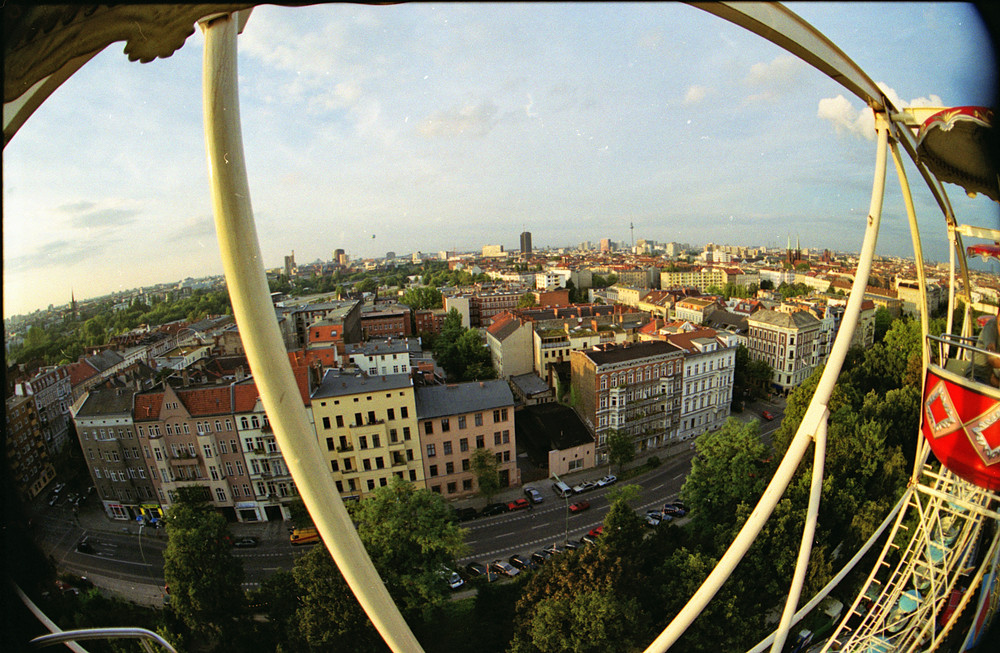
<point x="605" y="245"/>
<point x="290" y="264"/>
<point x="525" y="243"/>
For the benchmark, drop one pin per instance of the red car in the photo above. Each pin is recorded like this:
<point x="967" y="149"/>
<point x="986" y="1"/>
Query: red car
<point x="579" y="506"/>
<point x="518" y="504"/>
<point x="767" y="415"/>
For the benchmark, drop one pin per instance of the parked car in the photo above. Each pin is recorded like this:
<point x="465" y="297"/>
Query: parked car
<point x="573" y="545"/>
<point x="555" y="549"/>
<point x="493" y="509"/>
<point x="653" y="518"/>
<point x="476" y="569"/>
<point x="596" y="531"/>
<point x="607" y="480"/>
<point x="767" y="415"/>
<point x="53" y="498"/>
<point x="84" y="546"/>
<point x="674" y="510"/>
<point x="465" y="514"/>
<point x="518" y="504"/>
<point x="541" y="556"/>
<point x="245" y="542"/>
<point x="504" y="568"/>
<point x="586" y="486"/>
<point x="451" y="577"/>
<point x="533" y="495"/>
<point x="579" y="506"/>
<point x="524" y="563"/>
<point x="59" y="487"/>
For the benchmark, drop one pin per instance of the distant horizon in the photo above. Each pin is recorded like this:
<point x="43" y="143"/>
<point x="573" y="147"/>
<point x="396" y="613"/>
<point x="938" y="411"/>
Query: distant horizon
<point x="975" y="264"/>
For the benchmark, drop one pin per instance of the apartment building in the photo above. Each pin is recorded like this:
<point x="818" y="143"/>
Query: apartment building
<point x="709" y="363"/>
<point x="269" y="490"/>
<point x="27" y="456"/>
<point x="367" y="427"/>
<point x="455" y="420"/>
<point x="392" y="321"/>
<point x="384" y="356"/>
<point x="635" y="388"/>
<point x="509" y="340"/>
<point x="791" y="343"/>
<point x="114" y="454"/>
<point x="53" y="392"/>
<point x="189" y="437"/>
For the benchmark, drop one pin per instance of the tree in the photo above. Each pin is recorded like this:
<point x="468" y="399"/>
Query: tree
<point x="527" y="300"/>
<point x="410" y="536"/>
<point x="732" y="467"/>
<point x="460" y="351"/>
<point x="883" y="320"/>
<point x="198" y="565"/>
<point x="621" y="449"/>
<point x="487" y="471"/>
<point x="328" y="616"/>
<point x="422" y="298"/>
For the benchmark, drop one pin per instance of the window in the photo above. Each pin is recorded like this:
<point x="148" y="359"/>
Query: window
<point x="436" y="488"/>
<point x="393" y="436"/>
<point x="429" y="428"/>
<point x="340" y="421"/>
<point x="367" y="464"/>
<point x="376" y="440"/>
<point x="467" y="484"/>
<point x="433" y="470"/>
<point x="431" y="451"/>
<point x="218" y="426"/>
<point x="413" y="474"/>
<point x="371" y="417"/>
<point x="362" y="442"/>
<point x="208" y="450"/>
<point x="447" y="448"/>
<point x="452" y="488"/>
<point x="461" y="421"/>
<point x="403" y="412"/>
<point x="463" y="444"/>
<point x="406" y="433"/>
<point x="223" y="447"/>
<point x="444" y="425"/>
<point x="379" y="463"/>
<point x="334" y="467"/>
<point x="449" y="468"/>
<point x="357" y="419"/>
<point x="220" y="495"/>
<point x="478" y="418"/>
<point x="326" y="422"/>
<point x="371" y="484"/>
<point x="239" y="468"/>
<point x="496" y="416"/>
<point x="496" y="438"/>
<point x="480" y="441"/>
<point x="391" y="413"/>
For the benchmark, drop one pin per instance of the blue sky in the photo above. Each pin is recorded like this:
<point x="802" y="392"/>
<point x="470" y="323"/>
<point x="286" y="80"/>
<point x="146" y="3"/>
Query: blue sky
<point x="451" y="126"/>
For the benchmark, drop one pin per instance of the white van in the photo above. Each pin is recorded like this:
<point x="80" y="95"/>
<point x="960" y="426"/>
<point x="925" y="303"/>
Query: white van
<point x="561" y="489"/>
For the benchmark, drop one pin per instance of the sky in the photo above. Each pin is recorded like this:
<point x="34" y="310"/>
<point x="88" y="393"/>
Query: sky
<point x="429" y="127"/>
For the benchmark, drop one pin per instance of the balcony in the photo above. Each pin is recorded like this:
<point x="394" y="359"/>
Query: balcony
<point x="345" y="448"/>
<point x="183" y="455"/>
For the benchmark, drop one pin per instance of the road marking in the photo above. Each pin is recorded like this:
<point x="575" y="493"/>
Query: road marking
<point x="679" y="476"/>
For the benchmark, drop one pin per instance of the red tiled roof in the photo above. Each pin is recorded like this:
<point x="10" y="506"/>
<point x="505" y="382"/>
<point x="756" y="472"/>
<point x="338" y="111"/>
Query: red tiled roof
<point x="147" y="406"/>
<point x="245" y="397"/>
<point x="206" y="401"/>
<point x="683" y="340"/>
<point x="80" y="372"/>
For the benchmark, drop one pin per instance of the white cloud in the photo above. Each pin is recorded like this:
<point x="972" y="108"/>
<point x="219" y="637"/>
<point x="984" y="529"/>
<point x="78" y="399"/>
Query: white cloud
<point x="471" y="120"/>
<point x="861" y="122"/>
<point x="695" y="94"/>
<point x="772" y="80"/>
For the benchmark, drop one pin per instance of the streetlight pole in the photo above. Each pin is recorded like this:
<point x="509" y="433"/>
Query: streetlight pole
<point x="566" y="499"/>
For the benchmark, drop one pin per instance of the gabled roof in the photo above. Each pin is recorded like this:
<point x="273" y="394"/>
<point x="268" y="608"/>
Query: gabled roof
<point x="80" y="372"/>
<point x="147" y="406"/>
<point x="796" y="320"/>
<point x="104" y="360"/>
<point x="456" y="398"/>
<point x="686" y="340"/>
<point x="503" y="326"/>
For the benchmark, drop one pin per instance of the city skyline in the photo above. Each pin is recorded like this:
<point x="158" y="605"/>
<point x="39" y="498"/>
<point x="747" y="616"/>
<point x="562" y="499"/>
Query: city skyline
<point x="373" y="129"/>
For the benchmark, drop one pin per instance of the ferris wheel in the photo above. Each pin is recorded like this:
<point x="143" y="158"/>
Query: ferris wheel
<point x="936" y="574"/>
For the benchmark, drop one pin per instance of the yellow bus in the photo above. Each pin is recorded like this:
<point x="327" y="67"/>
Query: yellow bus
<point x="304" y="536"/>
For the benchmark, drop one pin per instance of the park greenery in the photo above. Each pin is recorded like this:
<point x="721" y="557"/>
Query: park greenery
<point x="460" y="352"/>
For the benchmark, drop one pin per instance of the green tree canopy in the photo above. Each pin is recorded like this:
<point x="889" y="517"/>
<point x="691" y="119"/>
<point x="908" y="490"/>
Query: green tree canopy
<point x="198" y="564"/>
<point x="527" y="300"/>
<point x="621" y="448"/>
<point x="410" y="537"/>
<point x="487" y="471"/>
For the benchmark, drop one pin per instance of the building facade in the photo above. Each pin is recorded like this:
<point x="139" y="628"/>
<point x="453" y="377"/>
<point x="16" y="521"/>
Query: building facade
<point x="367" y="427"/>
<point x="634" y="388"/>
<point x="115" y="455"/>
<point x="27" y="456"/>
<point x="791" y="343"/>
<point x="457" y="419"/>
<point x="709" y="363"/>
